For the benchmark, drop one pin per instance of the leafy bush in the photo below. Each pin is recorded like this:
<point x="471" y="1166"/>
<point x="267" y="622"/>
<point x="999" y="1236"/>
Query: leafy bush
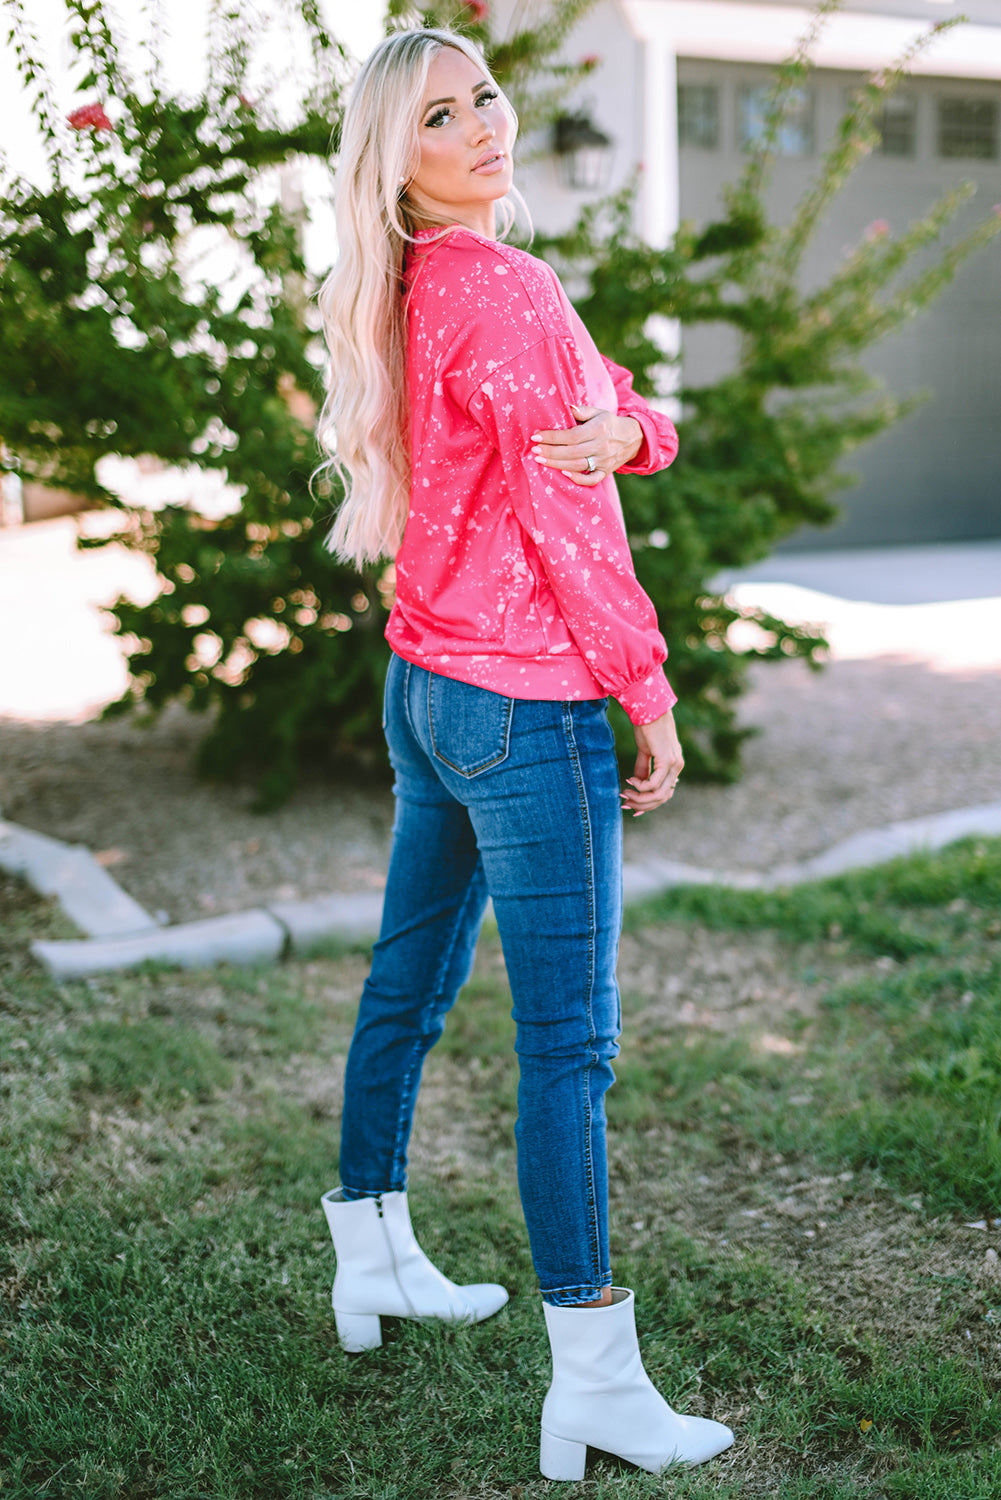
<point x="760" y="447"/>
<point x="113" y="343"/>
<point x="110" y="345"/>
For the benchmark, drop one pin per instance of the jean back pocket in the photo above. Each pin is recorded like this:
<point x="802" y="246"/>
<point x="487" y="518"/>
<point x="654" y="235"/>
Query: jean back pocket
<point x="470" y="727"/>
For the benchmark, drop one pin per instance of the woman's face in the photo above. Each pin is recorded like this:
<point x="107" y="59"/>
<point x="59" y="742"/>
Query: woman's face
<point x="465" y="133"/>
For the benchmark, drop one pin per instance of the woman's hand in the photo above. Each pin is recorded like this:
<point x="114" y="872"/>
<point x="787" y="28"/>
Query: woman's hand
<point x="659" y="763"/>
<point x="604" y="437"/>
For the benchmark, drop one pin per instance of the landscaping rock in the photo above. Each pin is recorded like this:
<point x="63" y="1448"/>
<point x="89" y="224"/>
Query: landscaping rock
<point x="351" y="918"/>
<point x="242" y="938"/>
<point x="88" y="895"/>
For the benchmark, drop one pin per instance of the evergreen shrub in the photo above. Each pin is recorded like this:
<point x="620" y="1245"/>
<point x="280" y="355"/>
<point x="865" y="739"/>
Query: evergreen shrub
<point x="113" y="341"/>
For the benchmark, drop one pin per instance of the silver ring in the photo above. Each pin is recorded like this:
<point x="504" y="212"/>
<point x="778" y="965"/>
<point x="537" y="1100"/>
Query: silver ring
<point x="591" y="465"/>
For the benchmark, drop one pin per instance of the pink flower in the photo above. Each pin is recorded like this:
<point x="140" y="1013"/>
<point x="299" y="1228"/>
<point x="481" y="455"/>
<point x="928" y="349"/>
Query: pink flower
<point x="245" y="102"/>
<point x="480" y="9"/>
<point x="590" y="60"/>
<point x="89" y="117"/>
<point x="877" y="230"/>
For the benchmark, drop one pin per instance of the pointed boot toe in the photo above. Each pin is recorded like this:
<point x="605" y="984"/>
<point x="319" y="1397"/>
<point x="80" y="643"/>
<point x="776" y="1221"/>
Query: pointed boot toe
<point x="695" y="1439"/>
<point x="485" y="1298"/>
<point x="601" y="1397"/>
<point x="382" y="1272"/>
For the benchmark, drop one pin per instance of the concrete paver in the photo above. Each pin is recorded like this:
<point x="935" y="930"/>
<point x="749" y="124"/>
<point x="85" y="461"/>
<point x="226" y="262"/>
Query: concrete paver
<point x="942" y="603"/>
<point x="345" y="918"/>
<point x="88" y="895"/>
<point x="896" y="839"/>
<point x="245" y="937"/>
<point x="300" y="927"/>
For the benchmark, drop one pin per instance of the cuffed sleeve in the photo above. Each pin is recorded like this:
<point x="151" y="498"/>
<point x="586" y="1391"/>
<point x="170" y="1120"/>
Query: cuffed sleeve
<point x="660" y="437"/>
<point x="649" y="700"/>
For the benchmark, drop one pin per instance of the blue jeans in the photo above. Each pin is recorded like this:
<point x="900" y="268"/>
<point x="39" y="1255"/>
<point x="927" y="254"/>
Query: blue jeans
<point x="517" y="799"/>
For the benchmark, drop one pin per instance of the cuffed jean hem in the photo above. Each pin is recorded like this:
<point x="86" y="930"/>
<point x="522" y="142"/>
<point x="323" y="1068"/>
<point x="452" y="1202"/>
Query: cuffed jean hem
<point x="353" y="1195"/>
<point x="573" y="1296"/>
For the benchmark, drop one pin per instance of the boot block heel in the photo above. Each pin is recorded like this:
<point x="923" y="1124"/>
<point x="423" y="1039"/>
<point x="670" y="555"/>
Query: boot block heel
<point x="358" y="1331"/>
<point x="559" y="1458"/>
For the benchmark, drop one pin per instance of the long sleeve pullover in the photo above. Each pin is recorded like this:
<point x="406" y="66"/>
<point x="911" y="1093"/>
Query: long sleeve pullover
<point x="510" y="576"/>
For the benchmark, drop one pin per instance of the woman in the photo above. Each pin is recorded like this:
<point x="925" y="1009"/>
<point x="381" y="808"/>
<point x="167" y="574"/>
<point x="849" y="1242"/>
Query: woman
<point x="467" y="401"/>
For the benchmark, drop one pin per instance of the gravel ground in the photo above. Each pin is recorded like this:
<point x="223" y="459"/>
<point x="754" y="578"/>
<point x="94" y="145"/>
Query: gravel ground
<point x="864" y="743"/>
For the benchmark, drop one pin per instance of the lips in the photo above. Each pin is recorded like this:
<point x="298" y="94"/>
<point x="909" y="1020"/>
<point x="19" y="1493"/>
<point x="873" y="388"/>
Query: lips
<point x="490" y="161"/>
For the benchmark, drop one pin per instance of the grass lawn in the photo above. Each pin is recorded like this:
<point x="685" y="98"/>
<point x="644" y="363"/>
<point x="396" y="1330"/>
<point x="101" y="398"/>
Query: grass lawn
<point x="807" y="1122"/>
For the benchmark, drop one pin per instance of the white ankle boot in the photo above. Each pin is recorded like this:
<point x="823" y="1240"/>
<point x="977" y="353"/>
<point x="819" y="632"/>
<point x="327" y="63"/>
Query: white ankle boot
<point x="382" y="1272"/>
<point x="602" y="1397"/>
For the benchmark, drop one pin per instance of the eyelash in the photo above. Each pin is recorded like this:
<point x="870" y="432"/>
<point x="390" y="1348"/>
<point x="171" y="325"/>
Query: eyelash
<point x="440" y="115"/>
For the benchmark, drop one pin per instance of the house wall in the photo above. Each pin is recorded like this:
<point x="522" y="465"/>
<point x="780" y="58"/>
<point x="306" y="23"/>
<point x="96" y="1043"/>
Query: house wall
<point x="612" y="95"/>
<point x="937" y="474"/>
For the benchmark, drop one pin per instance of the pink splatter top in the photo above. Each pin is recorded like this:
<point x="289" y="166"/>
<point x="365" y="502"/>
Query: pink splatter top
<point x="510" y="576"/>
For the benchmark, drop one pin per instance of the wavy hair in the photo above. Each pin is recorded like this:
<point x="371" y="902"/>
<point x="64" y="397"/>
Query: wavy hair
<point x="363" y="425"/>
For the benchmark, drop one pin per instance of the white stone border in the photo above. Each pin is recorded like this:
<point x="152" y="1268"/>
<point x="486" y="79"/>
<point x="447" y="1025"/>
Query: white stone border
<point x="121" y="935"/>
<point x="88" y="895"/>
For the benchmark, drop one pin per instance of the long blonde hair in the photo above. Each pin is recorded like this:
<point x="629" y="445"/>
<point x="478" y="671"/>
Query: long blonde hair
<point x="363" y="426"/>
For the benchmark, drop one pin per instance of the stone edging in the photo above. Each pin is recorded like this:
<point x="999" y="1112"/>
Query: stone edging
<point x="121" y="934"/>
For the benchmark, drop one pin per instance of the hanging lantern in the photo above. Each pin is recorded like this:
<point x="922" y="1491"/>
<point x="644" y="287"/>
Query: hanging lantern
<point x="584" y="152"/>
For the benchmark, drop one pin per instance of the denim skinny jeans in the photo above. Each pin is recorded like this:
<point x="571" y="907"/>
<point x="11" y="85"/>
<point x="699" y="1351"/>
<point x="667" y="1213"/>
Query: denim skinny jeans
<point x="517" y="799"/>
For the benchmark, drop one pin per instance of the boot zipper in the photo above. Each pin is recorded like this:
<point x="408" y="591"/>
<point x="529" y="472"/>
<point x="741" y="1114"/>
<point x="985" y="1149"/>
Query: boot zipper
<point x="392" y="1258"/>
<point x="389" y="1242"/>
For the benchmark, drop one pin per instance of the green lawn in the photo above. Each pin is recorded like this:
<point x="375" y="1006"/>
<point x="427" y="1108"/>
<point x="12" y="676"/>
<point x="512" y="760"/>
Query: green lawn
<point x="792" y="1187"/>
